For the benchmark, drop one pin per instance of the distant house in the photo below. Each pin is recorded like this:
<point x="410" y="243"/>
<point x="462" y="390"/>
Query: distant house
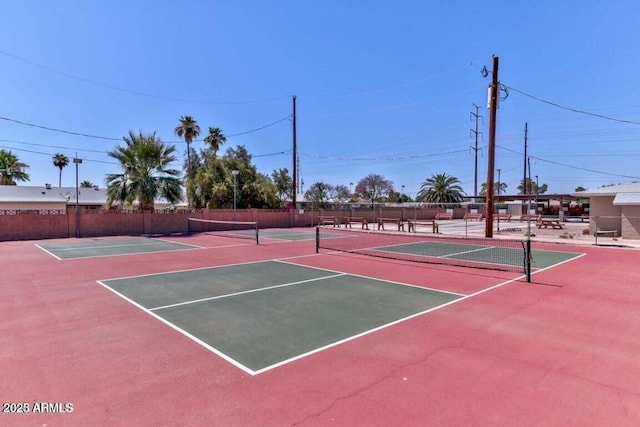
<point x="54" y="199"/>
<point x="49" y="198"/>
<point x="615" y="207"/>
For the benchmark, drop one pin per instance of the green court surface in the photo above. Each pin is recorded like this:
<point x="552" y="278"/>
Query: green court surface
<point x="99" y="247"/>
<point x="261" y="315"/>
<point x="544" y="259"/>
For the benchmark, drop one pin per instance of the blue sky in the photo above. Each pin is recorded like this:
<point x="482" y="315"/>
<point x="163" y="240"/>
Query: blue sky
<point x="382" y="87"/>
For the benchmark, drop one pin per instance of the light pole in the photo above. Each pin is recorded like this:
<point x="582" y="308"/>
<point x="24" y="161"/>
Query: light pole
<point x="77" y="161"/>
<point x="536" y="194"/>
<point x="498" y="200"/>
<point x="402" y="193"/>
<point x="235" y="186"/>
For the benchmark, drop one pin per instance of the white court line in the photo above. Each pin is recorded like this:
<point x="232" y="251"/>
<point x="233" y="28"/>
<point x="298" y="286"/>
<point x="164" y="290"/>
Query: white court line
<point x="183" y="332"/>
<point x="370" y="278"/>
<point x="246" y="292"/>
<point x="50" y="253"/>
<point x="115" y="246"/>
<point x="470" y="251"/>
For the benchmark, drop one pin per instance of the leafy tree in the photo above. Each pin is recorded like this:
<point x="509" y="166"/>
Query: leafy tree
<point x="86" y="184"/>
<point x="213" y="183"/>
<point x="441" y="188"/>
<point x="374" y="188"/>
<point x="215" y="139"/>
<point x="60" y="161"/>
<point x="12" y="169"/>
<point x="580" y="188"/>
<point x="531" y="187"/>
<point x="144" y="161"/>
<point x="283" y="183"/>
<point x="340" y="193"/>
<point x="319" y="193"/>
<point x="498" y="188"/>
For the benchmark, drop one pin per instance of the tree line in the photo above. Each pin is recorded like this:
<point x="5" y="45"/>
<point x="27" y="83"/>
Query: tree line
<point x="231" y="180"/>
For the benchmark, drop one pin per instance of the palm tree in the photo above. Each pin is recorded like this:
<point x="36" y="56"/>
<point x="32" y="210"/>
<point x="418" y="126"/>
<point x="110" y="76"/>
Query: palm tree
<point x="215" y="139"/>
<point x="144" y="160"/>
<point x="188" y="129"/>
<point x="86" y="184"/>
<point x="441" y="188"/>
<point x="60" y="161"/>
<point x="12" y="169"/>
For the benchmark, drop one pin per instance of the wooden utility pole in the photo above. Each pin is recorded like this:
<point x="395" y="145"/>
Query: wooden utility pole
<point x="295" y="156"/>
<point x="493" y="107"/>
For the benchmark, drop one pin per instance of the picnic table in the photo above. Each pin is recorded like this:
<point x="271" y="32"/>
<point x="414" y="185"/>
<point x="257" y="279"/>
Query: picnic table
<point x="548" y="222"/>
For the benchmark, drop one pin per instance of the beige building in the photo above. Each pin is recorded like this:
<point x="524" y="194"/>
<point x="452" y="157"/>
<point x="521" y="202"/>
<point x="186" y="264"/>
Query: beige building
<point x="615" y="208"/>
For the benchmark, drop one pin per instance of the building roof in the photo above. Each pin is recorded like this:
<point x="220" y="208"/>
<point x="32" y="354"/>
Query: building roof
<point x="52" y="194"/>
<point x="611" y="190"/>
<point x="623" y="194"/>
<point x="626" y="199"/>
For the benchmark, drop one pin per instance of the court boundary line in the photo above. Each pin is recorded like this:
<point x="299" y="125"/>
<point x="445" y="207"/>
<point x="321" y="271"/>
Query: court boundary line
<point x="182" y="331"/>
<point x="282" y="285"/>
<point x="371" y="278"/>
<point x="190" y="248"/>
<point x="251" y="372"/>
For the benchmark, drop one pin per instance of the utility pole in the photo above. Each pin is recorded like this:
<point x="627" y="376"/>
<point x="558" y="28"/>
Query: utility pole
<point x="493" y="107"/>
<point x="295" y="155"/>
<point x="475" y="149"/>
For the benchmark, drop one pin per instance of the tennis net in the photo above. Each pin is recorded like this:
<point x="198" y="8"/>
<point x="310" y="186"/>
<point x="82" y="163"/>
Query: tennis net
<point x="493" y="254"/>
<point x="235" y="229"/>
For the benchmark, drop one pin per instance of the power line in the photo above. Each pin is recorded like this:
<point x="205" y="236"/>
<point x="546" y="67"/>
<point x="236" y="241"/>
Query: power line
<point x="120" y="139"/>
<point x="374" y="91"/>
<point x="60" y="130"/>
<point x="417" y="156"/>
<point x="575" y="110"/>
<point x="571" y="166"/>
<point x="134" y="92"/>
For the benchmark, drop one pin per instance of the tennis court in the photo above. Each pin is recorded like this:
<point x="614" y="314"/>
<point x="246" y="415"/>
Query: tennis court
<point x="265" y="314"/>
<point x="99" y="247"/>
<point x="236" y="332"/>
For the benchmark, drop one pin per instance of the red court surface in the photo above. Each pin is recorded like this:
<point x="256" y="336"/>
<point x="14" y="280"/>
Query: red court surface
<point x="562" y="350"/>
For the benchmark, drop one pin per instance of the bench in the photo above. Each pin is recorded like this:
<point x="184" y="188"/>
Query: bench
<point x="546" y="223"/>
<point x="328" y="220"/>
<point x="412" y="223"/>
<point x="583" y="217"/>
<point x="504" y="217"/>
<point x="444" y="215"/>
<point x="614" y="233"/>
<point x="396" y="221"/>
<point x="348" y="220"/>
<point x="472" y="216"/>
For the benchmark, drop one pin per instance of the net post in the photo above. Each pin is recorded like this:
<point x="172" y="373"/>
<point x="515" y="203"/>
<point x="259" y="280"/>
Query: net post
<point x="257" y="241"/>
<point x="317" y="239"/>
<point x="527" y="260"/>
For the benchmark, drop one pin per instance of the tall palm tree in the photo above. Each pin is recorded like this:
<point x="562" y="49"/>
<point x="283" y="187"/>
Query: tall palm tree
<point x="12" y="169"/>
<point x="441" y="188"/>
<point x="60" y="161"/>
<point x="188" y="129"/>
<point x="215" y="139"/>
<point x="144" y="161"/>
